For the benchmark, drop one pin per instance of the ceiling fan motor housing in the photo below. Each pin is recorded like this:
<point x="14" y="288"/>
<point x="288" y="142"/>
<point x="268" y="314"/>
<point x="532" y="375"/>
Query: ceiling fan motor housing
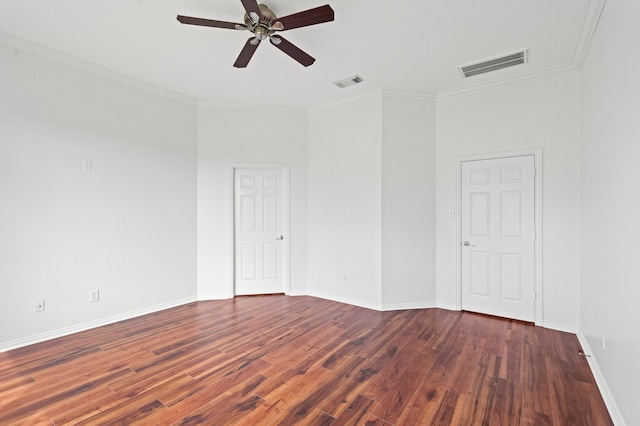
<point x="268" y="17"/>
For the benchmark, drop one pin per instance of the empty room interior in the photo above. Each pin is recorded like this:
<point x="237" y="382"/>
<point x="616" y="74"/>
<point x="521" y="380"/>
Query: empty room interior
<point x="394" y="213"/>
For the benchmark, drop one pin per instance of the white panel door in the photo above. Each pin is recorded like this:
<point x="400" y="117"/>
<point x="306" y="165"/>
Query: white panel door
<point x="259" y="231"/>
<point x="498" y="237"/>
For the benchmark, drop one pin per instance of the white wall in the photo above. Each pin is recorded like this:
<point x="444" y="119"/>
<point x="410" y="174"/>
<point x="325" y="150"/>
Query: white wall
<point x="542" y="113"/>
<point x="127" y="228"/>
<point x="345" y="196"/>
<point x="246" y="135"/>
<point x="408" y="201"/>
<point x="372" y="201"/>
<point x="610" y="287"/>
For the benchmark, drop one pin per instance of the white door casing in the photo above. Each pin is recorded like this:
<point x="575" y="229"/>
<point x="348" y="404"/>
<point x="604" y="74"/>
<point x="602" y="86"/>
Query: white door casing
<point x="498" y="235"/>
<point x="260" y="229"/>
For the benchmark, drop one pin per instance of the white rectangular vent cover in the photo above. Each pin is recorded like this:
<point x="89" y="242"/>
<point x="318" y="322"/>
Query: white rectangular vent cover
<point x="494" y="64"/>
<point x="349" y="81"/>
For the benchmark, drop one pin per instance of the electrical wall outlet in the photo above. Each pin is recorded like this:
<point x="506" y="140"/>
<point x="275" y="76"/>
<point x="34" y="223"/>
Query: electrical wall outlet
<point x="39" y="305"/>
<point x="449" y="213"/>
<point x="94" y="295"/>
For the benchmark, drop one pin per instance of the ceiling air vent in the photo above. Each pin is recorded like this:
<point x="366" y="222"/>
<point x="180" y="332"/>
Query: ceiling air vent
<point x="494" y="64"/>
<point x="349" y="81"/>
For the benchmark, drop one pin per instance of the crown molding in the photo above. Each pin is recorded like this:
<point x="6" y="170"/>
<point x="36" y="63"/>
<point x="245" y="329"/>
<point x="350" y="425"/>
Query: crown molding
<point x="517" y="80"/>
<point x="412" y="96"/>
<point x="80" y="64"/>
<point x="375" y="93"/>
<point x="257" y="108"/>
<point x="589" y="26"/>
<point x="347" y="100"/>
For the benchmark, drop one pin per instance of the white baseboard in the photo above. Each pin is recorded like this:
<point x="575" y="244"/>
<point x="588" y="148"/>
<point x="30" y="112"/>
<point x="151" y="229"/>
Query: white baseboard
<point x="447" y="307"/>
<point x="19" y="343"/>
<point x="296" y="294"/>
<point x="607" y="396"/>
<point x="560" y="327"/>
<point x="205" y="297"/>
<point x="408" y="305"/>
<point x="375" y="307"/>
<point x="348" y="301"/>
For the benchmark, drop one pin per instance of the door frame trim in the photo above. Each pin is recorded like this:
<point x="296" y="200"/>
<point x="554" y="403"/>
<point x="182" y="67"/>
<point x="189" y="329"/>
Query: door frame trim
<point x="285" y="168"/>
<point x="538" y="282"/>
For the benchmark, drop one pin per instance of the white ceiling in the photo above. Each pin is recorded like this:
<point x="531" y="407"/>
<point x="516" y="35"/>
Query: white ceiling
<point x="405" y="45"/>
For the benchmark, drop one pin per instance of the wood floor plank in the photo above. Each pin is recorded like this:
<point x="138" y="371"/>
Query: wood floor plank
<point x="47" y="363"/>
<point x="41" y="402"/>
<point x="222" y="408"/>
<point x="157" y="371"/>
<point x="316" y="395"/>
<point x="132" y="411"/>
<point x="206" y="397"/>
<point x="286" y="391"/>
<point x="446" y="413"/>
<point x="272" y="360"/>
<point x="535" y="381"/>
<point x="401" y="354"/>
<point x="348" y="391"/>
<point x="507" y="407"/>
<point x="392" y="406"/>
<point x="71" y="412"/>
<point x="372" y="420"/>
<point x="422" y="406"/>
<point x="354" y="412"/>
<point x="10" y="386"/>
<point x="481" y="394"/>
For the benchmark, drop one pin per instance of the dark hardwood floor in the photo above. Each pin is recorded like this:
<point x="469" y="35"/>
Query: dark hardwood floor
<point x="301" y="360"/>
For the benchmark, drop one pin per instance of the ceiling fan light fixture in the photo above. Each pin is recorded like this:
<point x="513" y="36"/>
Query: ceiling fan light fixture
<point x="261" y="32"/>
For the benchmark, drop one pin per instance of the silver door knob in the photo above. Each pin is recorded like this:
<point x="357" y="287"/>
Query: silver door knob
<point x="467" y="244"/>
<point x="281" y="237"/>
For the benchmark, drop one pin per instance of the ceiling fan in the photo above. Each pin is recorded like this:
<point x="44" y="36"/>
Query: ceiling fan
<point x="263" y="23"/>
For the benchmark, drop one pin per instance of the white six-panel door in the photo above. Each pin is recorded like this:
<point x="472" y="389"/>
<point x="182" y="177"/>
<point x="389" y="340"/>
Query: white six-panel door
<point x="498" y="237"/>
<point x="259" y="231"/>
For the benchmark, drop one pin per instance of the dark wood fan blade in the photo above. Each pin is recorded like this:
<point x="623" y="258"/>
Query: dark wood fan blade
<point x="247" y="52"/>
<point x="305" y="18"/>
<point x="251" y="6"/>
<point x="294" y="52"/>
<point x="207" y="22"/>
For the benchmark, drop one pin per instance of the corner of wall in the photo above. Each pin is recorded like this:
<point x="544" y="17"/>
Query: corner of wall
<point x="607" y="396"/>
